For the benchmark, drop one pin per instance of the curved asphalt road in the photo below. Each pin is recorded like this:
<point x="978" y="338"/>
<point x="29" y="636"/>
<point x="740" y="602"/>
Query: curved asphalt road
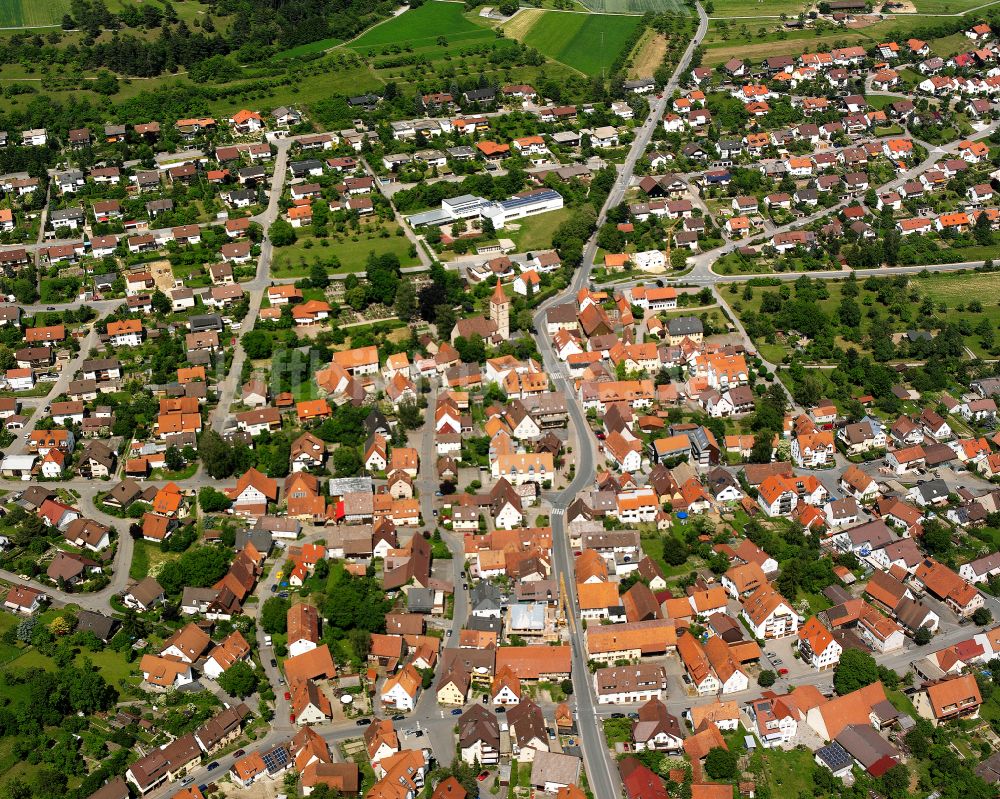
<point x="602" y="773"/>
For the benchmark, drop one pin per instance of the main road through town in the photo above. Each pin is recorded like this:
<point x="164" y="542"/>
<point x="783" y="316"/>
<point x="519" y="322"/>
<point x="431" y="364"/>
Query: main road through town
<point x="602" y="774"/>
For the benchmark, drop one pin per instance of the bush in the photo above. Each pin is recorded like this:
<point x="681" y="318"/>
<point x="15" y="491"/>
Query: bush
<point x="720" y="764"/>
<point x="240" y="680"/>
<point x="274" y="615"/>
<point x="212" y="501"/>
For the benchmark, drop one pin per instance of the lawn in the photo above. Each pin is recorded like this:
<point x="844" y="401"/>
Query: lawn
<point x="587" y="42"/>
<point x="535" y="232"/>
<point x="423" y="26"/>
<point x="295" y="371"/>
<point x="901" y="702"/>
<point x="112" y="666"/>
<point x="8" y="652"/>
<point x="296" y="259"/>
<point x="789" y="773"/>
<point x="949" y="45"/>
<point x="32" y="13"/>
<point x="617" y="731"/>
<point x="147" y="558"/>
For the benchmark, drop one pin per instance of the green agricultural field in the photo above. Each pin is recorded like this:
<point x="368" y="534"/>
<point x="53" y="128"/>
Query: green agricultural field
<point x="423" y="26"/>
<point x="948" y="6"/>
<point x="587" y="42"/>
<point x="755" y="9"/>
<point x="958" y="289"/>
<point x="636" y="6"/>
<point x="32" y="13"/>
<point x="309" y="49"/>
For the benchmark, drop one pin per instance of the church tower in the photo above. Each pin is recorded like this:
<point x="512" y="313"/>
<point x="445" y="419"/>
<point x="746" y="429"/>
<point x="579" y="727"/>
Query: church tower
<point x="500" y="311"/>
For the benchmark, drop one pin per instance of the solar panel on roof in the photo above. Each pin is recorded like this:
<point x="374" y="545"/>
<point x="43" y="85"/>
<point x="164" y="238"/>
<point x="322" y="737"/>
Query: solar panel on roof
<point x="276" y="759"/>
<point x="835" y="756"/>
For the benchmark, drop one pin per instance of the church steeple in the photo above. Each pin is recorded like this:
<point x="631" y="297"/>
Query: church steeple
<point x="500" y="311"/>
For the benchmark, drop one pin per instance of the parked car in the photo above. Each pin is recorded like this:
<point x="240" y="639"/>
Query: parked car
<point x="213" y="765"/>
<point x="239" y="753"/>
<point x="274" y="663"/>
<point x="483" y="776"/>
<point x="288" y="695"/>
<point x="456" y="711"/>
<point x="363" y="722"/>
<point x="399" y="717"/>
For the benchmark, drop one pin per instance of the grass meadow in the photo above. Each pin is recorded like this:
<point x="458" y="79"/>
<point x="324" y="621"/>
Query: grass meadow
<point x="589" y="43"/>
<point x="423" y="26"/>
<point x="32" y="13"/>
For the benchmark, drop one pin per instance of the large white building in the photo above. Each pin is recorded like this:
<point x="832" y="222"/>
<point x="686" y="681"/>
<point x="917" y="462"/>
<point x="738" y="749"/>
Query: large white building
<point x="468" y="206"/>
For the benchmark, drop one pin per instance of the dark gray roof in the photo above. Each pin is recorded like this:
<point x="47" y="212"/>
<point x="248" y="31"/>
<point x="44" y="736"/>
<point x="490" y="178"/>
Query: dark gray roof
<point x="933" y="490"/>
<point x="484" y="624"/>
<point x="865" y="745"/>
<point x="101" y="626"/>
<point x="477" y="95"/>
<point x="205" y="322"/>
<point x="261" y="539"/>
<point x="685" y="326"/>
<point x="485" y="596"/>
<point x="303" y="167"/>
<point x="834" y="756"/>
<point x="420" y="600"/>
